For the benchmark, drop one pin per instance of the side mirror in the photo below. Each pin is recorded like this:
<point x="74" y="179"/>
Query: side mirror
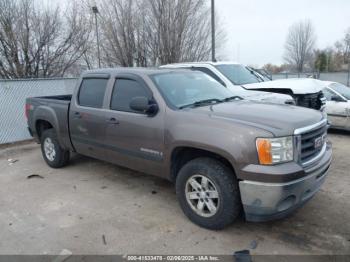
<point x="337" y="99"/>
<point x="143" y="105"/>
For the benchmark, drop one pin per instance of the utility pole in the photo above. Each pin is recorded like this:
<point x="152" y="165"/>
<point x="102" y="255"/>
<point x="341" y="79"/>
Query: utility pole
<point x="348" y="82"/>
<point x="213" y="31"/>
<point x="95" y="11"/>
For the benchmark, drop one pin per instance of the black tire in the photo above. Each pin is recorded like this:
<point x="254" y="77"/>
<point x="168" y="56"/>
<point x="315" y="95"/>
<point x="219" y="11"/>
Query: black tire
<point x="61" y="157"/>
<point x="225" y="181"/>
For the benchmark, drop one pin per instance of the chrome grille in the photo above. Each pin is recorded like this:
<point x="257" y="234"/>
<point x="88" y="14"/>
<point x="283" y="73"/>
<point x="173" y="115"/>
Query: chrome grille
<point x="312" y="143"/>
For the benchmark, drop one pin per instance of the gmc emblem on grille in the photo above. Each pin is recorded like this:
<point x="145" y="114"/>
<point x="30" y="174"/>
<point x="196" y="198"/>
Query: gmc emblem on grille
<point x="319" y="141"/>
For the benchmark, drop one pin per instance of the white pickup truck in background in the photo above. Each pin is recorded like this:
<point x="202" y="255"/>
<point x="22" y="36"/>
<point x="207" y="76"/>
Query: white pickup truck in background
<point x="245" y="82"/>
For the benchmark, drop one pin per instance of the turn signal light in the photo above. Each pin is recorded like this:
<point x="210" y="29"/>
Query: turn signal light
<point x="275" y="150"/>
<point x="264" y="151"/>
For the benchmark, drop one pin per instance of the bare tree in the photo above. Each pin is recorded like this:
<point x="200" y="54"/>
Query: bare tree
<point x="347" y="46"/>
<point x="118" y="24"/>
<point x="179" y="30"/>
<point x="40" y="42"/>
<point x="300" y="44"/>
<point x="342" y="48"/>
<point x="153" y="32"/>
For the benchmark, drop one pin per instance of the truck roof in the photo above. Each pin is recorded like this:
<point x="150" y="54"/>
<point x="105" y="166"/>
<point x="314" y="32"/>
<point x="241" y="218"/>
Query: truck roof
<point x="201" y="63"/>
<point x="137" y="70"/>
<point x="150" y="70"/>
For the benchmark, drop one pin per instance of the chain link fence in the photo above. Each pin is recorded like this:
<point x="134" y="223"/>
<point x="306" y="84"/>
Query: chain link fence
<point x="13" y="93"/>
<point x="341" y="77"/>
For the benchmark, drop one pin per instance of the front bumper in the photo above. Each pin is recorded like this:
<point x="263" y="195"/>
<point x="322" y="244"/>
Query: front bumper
<point x="267" y="201"/>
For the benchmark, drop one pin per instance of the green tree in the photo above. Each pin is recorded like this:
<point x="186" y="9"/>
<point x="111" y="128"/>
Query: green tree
<point x="321" y="61"/>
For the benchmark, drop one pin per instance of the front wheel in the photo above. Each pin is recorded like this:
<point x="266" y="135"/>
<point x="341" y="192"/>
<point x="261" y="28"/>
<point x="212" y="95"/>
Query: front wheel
<point x="54" y="155"/>
<point x="208" y="193"/>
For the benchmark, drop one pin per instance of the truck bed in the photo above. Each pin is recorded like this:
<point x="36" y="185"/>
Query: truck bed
<point x="59" y="97"/>
<point x="53" y="109"/>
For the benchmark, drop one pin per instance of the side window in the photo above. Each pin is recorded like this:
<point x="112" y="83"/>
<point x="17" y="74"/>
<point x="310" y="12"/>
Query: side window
<point x="328" y="94"/>
<point x="92" y="92"/>
<point x="124" y="91"/>
<point x="209" y="73"/>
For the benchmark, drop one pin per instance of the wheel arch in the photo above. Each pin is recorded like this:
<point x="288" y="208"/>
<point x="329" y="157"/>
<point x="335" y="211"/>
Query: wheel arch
<point x="180" y="155"/>
<point x="42" y="125"/>
<point x="45" y="118"/>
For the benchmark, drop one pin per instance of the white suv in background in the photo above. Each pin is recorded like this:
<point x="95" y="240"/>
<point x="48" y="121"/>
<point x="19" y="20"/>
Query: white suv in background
<point x="245" y="82"/>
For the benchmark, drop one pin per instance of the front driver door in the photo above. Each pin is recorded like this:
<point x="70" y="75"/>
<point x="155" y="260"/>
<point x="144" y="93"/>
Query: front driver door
<point x="133" y="139"/>
<point x="336" y="109"/>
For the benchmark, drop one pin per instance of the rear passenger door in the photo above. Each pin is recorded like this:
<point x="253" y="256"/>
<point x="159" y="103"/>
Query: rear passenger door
<point x="134" y="139"/>
<point x="87" y="121"/>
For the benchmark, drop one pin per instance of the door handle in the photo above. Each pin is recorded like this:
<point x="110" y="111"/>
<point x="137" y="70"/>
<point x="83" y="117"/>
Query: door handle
<point x="112" y="121"/>
<point x="77" y="115"/>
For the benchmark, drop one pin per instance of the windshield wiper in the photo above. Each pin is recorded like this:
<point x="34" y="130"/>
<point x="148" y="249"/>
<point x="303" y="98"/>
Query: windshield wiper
<point x="202" y="102"/>
<point x="227" y="99"/>
<point x="254" y="73"/>
<point x="210" y="101"/>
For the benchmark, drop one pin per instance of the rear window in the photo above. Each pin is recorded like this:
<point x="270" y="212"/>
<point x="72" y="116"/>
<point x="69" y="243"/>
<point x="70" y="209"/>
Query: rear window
<point x="92" y="92"/>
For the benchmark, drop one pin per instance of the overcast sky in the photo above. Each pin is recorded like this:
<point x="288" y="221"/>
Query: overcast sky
<point x="257" y="29"/>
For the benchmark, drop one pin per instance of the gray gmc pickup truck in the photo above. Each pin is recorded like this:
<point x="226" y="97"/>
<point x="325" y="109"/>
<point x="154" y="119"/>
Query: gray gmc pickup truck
<point x="225" y="154"/>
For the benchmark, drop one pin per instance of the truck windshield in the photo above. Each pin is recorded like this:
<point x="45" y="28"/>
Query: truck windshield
<point x="238" y="74"/>
<point x="341" y="89"/>
<point x="182" y="89"/>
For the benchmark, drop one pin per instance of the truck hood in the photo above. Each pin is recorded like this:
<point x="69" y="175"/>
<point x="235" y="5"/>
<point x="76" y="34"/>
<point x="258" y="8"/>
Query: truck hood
<point x="280" y="120"/>
<point x="265" y="96"/>
<point x="296" y="85"/>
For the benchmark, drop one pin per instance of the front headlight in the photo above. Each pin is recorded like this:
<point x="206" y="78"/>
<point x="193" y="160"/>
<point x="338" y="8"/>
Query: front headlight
<point x="275" y="150"/>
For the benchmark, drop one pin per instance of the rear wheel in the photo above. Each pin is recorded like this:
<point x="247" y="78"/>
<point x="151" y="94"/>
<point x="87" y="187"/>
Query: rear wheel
<point x="54" y="155"/>
<point x="208" y="193"/>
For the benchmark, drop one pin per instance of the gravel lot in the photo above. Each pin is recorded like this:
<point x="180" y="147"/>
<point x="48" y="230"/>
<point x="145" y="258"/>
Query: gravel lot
<point x="92" y="207"/>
